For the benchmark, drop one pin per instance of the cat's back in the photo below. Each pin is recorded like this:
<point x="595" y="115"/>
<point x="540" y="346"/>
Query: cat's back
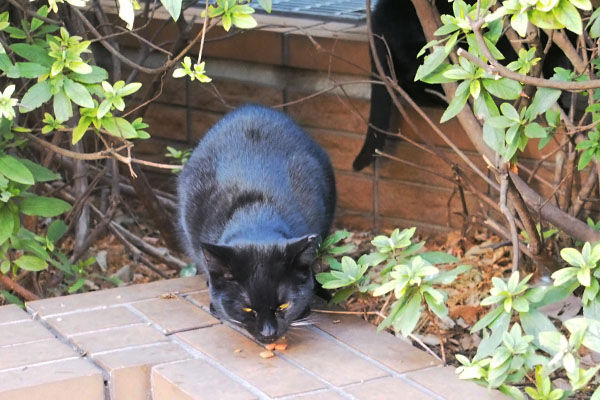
<point x="256" y="155"/>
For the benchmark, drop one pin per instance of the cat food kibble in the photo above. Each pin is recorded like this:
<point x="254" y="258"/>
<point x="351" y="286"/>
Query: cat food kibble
<point x="270" y="346"/>
<point x="267" y="354"/>
<point x="281" y="346"/>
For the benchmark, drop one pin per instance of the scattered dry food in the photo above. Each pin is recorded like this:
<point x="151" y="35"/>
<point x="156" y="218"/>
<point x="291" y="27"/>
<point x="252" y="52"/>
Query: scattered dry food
<point x="270" y="346"/>
<point x="267" y="354"/>
<point x="281" y="346"/>
<point x="237" y="351"/>
<point x="168" y="296"/>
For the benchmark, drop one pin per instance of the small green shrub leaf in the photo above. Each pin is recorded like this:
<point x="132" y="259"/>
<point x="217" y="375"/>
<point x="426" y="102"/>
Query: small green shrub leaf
<point x="43" y="206"/>
<point x="37" y="95"/>
<point x="31" y="263"/>
<point x="14" y="170"/>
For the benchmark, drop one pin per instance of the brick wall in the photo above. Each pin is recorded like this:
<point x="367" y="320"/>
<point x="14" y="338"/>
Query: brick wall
<point x="283" y="66"/>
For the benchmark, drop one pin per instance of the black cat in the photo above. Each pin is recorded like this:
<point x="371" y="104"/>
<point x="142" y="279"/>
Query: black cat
<point x="254" y="198"/>
<point x="397" y="22"/>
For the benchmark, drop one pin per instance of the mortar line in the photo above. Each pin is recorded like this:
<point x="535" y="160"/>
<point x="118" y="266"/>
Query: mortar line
<point x="379" y="364"/>
<point x="142" y="323"/>
<point x="41" y="363"/>
<point x="65" y="340"/>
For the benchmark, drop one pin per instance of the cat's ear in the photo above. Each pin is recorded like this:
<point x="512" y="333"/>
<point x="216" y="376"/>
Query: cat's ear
<point x="217" y="259"/>
<point x="303" y="250"/>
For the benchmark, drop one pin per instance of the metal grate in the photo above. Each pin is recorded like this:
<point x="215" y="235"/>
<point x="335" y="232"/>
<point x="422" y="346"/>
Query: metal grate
<point x="330" y="10"/>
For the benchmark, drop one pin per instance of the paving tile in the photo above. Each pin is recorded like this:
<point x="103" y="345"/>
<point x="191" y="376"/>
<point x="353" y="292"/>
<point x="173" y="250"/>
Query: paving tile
<point x="337" y="365"/>
<point x="129" y="370"/>
<point x="87" y="321"/>
<point x="117" y="338"/>
<point x="383" y="347"/>
<point x="58" y="305"/>
<point x="444" y="382"/>
<point x="175" y="314"/>
<point x="12" y="313"/>
<point x="22" y="332"/>
<point x="32" y="353"/>
<point x="195" y="380"/>
<point x="200" y="298"/>
<point x="273" y="376"/>
<point x="386" y="389"/>
<point x="65" y="380"/>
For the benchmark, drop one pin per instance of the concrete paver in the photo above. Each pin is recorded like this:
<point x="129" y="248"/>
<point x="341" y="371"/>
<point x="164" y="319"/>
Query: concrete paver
<point x="158" y="341"/>
<point x="175" y="314"/>
<point x="195" y="380"/>
<point x="240" y="355"/>
<point x="65" y="380"/>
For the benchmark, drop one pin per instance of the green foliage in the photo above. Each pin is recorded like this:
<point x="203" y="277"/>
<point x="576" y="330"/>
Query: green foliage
<point x="584" y="268"/>
<point x="50" y="73"/>
<point x="181" y="156"/>
<point x="394" y="266"/>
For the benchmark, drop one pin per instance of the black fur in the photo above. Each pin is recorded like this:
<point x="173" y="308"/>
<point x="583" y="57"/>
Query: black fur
<point x="254" y="197"/>
<point x="397" y="22"/>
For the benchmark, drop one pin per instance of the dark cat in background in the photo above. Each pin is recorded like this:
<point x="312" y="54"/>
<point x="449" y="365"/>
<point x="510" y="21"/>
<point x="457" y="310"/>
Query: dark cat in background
<point x="397" y="22"/>
<point x="254" y="198"/>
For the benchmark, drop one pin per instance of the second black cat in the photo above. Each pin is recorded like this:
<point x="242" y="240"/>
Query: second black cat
<point x="254" y="198"/>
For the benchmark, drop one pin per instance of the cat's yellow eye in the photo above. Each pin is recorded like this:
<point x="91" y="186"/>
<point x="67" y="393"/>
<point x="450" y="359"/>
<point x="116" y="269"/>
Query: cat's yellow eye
<point x="246" y="309"/>
<point x="284" y="306"/>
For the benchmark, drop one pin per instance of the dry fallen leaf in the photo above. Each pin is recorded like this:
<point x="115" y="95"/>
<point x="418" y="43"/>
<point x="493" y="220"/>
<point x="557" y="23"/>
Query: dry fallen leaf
<point x="267" y="354"/>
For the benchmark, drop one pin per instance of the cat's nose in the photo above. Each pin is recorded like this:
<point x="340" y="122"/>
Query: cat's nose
<point x="268" y="332"/>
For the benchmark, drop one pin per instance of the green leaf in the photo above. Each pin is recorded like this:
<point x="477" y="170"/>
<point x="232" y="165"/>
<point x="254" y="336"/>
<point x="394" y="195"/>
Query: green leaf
<point x="37" y="95"/>
<point x="243" y="21"/>
<point x="431" y="63"/>
<point x="78" y="93"/>
<point x="80" y="129"/>
<point x="119" y="127"/>
<point x="409" y="316"/>
<point x="96" y="76"/>
<point x="12" y="299"/>
<point x="585" y="159"/>
<point x="533" y="323"/>
<point x="544" y="98"/>
<point x="503" y="88"/>
<point x="14" y="170"/>
<point x="43" y="206"/>
<point x="438" y="257"/>
<point x="7" y="220"/>
<point x="31" y="263"/>
<point x="544" y="20"/>
<point x="567" y="14"/>
<point x="582" y="4"/>
<point x="343" y="294"/>
<point x="447" y="277"/>
<point x="188" y="270"/>
<point x="266" y="5"/>
<point x="458" y="102"/>
<point x="173" y="7"/>
<point x="40" y="173"/>
<point x="56" y="230"/>
<point x="33" y="53"/>
<point x="535" y="130"/>
<point x="76" y="286"/>
<point x="487" y="319"/>
<point x="439" y="309"/>
<point x="62" y="106"/>
<point x="30" y="70"/>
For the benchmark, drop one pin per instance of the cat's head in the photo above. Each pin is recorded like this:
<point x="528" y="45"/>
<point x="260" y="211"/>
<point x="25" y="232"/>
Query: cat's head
<point x="262" y="287"/>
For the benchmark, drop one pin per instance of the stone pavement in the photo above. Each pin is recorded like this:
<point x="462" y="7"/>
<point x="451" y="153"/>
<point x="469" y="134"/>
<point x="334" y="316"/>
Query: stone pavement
<point x="158" y="341"/>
